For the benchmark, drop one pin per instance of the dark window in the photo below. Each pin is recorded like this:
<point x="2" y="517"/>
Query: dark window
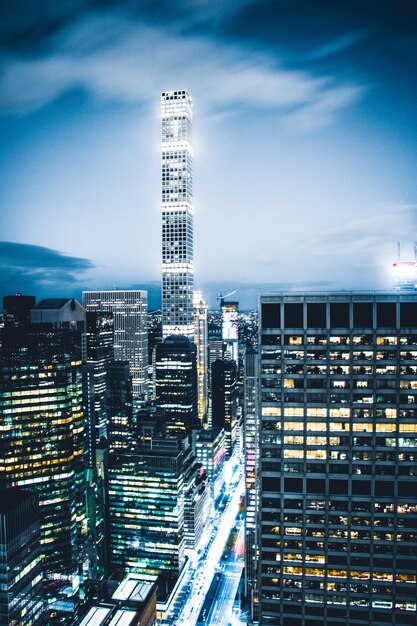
<point x="362" y="314"/>
<point x="315" y="485"/>
<point x="406" y="488"/>
<point x="339" y="315"/>
<point x="294" y="485"/>
<point x="293" y="315"/>
<point x="271" y="340"/>
<point x="361" y="487"/>
<point x="270" y="483"/>
<point x="271" y="315"/>
<point x="338" y="487"/>
<point x="408" y="314"/>
<point x="386" y="314"/>
<point x="316" y="315"/>
<point x="384" y="488"/>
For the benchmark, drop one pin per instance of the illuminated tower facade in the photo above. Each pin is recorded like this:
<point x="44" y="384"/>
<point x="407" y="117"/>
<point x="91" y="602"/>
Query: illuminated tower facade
<point x="200" y="340"/>
<point x="338" y="453"/>
<point x="43" y="444"/>
<point x="177" y="214"/>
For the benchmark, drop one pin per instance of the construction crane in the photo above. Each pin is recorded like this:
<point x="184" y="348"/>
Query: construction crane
<point x="221" y="296"/>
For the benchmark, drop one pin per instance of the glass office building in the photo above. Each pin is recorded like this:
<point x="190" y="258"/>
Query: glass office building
<point x="42" y="443"/>
<point x="20" y="559"/>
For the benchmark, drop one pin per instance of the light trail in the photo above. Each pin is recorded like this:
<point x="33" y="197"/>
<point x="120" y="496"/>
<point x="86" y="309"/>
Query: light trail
<point x="206" y="568"/>
<point x="225" y="597"/>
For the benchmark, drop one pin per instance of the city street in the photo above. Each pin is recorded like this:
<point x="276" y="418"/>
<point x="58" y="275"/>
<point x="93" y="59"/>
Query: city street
<point x="201" y="575"/>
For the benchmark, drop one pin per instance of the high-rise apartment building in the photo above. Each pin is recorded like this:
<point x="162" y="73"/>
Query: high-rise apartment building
<point x="130" y="318"/>
<point x="200" y="340"/>
<point x="177" y="214"/>
<point x="338" y="447"/>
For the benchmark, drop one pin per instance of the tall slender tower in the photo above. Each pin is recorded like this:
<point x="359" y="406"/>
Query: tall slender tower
<point x="177" y="214"/>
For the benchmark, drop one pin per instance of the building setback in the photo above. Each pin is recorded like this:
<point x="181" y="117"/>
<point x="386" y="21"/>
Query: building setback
<point x="338" y="449"/>
<point x="177" y="214"/>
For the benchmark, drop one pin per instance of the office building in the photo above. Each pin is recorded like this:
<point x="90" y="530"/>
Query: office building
<point x="200" y="340"/>
<point x="130" y="319"/>
<point x="100" y="352"/>
<point x="338" y="453"/>
<point x="138" y="592"/>
<point x="251" y="459"/>
<point x="146" y="504"/>
<point x="21" y="594"/>
<point x="176" y="381"/>
<point x="177" y="214"/>
<point x="224" y="399"/>
<point x="210" y="449"/>
<point x="158" y="500"/>
<point x="120" y="406"/>
<point x="43" y="444"/>
<point x="17" y="308"/>
<point x="64" y="313"/>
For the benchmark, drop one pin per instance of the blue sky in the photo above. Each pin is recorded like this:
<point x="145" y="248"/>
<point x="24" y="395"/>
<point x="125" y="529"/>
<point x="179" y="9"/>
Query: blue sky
<point x="305" y="140"/>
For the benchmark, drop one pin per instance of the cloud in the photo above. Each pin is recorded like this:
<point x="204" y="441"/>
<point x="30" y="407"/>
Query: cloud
<point x="28" y="268"/>
<point x="113" y="57"/>
<point x="340" y="44"/>
<point x="369" y="240"/>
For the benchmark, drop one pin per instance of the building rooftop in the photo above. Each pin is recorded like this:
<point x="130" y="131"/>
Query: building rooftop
<point x="10" y="498"/>
<point x="52" y="303"/>
<point x="177" y="339"/>
<point x="109" y="616"/>
<point x="134" y="588"/>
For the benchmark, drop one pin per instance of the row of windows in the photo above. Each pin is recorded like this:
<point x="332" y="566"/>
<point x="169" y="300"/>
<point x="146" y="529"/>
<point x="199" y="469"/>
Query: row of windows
<point x="338" y="315"/>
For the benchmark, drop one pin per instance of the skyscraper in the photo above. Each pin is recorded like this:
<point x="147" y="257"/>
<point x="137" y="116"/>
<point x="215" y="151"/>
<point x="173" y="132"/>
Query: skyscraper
<point x="100" y="352"/>
<point x="176" y="382"/>
<point x="230" y="328"/>
<point x="20" y="559"/>
<point x="177" y="214"/>
<point x="130" y="317"/>
<point x="224" y="398"/>
<point x="200" y="340"/>
<point x="338" y="453"/>
<point x="42" y="443"/>
<point x="251" y="456"/>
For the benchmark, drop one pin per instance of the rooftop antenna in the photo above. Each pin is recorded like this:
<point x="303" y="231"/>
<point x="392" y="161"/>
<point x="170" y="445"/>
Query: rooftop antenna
<point x="398" y="250"/>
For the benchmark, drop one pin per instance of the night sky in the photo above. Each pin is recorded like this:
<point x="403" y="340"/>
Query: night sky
<point x="305" y="142"/>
